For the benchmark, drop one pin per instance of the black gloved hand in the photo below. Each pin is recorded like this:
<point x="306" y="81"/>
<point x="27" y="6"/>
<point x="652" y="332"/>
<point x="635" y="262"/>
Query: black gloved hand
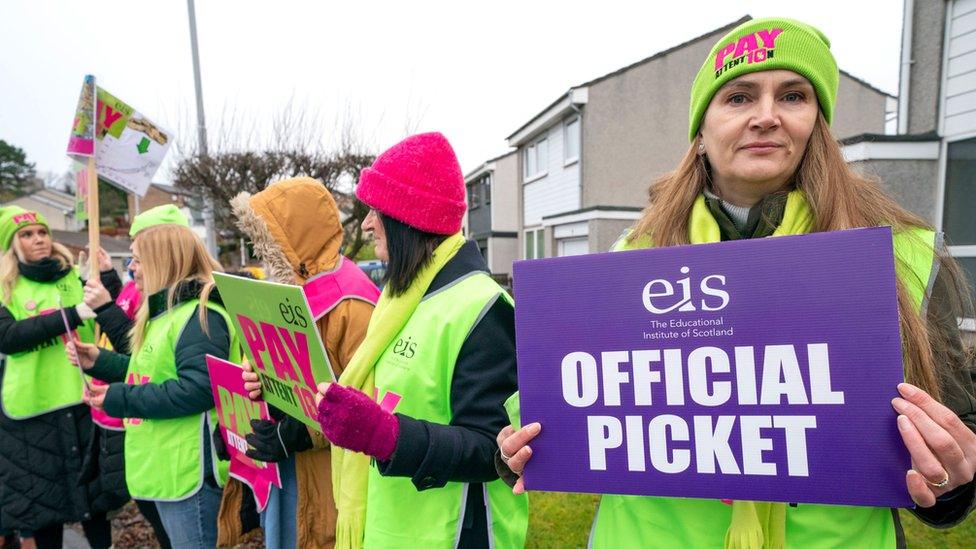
<point x="276" y="414"/>
<point x="218" y="443"/>
<point x="275" y="441"/>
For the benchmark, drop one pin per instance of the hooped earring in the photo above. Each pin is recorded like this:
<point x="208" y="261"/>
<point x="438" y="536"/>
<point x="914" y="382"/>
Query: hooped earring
<point x="701" y="147"/>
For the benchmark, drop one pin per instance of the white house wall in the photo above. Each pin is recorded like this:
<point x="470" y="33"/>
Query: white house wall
<point x="558" y="191"/>
<point x="960" y="83"/>
<point x="57" y="219"/>
<point x="504" y="194"/>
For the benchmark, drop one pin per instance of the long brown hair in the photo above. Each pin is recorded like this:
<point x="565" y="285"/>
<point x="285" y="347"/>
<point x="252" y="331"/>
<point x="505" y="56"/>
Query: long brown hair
<point x="840" y="199"/>
<point x="168" y="255"/>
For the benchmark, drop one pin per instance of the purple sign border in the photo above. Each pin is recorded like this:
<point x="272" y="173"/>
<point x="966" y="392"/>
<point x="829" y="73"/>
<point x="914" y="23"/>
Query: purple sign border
<point x="834" y="288"/>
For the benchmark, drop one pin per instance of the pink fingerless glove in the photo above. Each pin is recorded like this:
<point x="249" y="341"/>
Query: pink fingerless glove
<point x="352" y="420"/>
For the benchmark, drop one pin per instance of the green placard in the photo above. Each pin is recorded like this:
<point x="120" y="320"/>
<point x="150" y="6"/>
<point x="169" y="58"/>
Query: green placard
<point x="281" y="342"/>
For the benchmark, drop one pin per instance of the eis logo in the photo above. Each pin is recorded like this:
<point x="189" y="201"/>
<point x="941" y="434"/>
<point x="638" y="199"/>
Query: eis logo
<point x="292" y="314"/>
<point x="660" y="296"/>
<point x="405" y="348"/>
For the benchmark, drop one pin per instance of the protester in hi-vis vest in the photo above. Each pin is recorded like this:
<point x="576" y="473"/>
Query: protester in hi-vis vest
<point x="762" y="162"/>
<point x="295" y="229"/>
<point x="413" y="416"/>
<point x="45" y="429"/>
<point x="116" y="317"/>
<point x="163" y="390"/>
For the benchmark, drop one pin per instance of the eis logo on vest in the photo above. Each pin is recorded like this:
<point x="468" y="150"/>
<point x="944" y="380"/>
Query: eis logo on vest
<point x="746" y="50"/>
<point x="406" y="348"/>
<point x="661" y="297"/>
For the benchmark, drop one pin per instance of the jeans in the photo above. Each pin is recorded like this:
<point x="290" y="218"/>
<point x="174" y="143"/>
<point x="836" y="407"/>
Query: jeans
<point x="149" y="512"/>
<point x="279" y="519"/>
<point x="192" y="522"/>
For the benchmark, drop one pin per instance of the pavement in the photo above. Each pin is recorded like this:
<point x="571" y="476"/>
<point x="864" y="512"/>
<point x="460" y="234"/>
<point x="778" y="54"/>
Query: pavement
<point x="74" y="540"/>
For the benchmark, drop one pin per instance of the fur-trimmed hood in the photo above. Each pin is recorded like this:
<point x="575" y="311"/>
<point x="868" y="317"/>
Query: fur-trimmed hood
<point x="294" y="226"/>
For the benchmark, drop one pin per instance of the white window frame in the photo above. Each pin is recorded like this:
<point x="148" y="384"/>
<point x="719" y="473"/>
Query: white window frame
<point x="579" y="140"/>
<point x="474" y="196"/>
<point x="533" y="150"/>
<point x="537" y="234"/>
<point x="967" y="251"/>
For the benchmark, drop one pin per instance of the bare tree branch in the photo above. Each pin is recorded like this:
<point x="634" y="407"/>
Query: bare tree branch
<point x="237" y="162"/>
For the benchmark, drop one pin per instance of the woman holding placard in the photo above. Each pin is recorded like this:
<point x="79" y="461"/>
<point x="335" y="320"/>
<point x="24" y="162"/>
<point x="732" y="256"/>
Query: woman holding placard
<point x="296" y="231"/>
<point x="115" y="318"/>
<point x="45" y="429"/>
<point x="163" y="389"/>
<point x="440" y="352"/>
<point x="762" y="162"/>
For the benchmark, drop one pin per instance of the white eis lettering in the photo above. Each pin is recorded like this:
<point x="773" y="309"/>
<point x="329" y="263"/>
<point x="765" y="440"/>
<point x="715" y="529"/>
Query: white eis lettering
<point x="658" y="294"/>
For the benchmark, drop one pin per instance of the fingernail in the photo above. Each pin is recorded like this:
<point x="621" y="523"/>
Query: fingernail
<point x="535" y="427"/>
<point x="903" y="423"/>
<point x="898" y="404"/>
<point x="528" y="450"/>
<point x="907" y="389"/>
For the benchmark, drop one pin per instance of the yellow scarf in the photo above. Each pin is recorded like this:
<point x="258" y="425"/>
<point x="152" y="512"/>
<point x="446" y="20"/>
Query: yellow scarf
<point x="350" y="470"/>
<point x="755" y="524"/>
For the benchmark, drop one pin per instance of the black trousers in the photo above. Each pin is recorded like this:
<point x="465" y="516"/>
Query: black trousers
<point x="98" y="531"/>
<point x="149" y="512"/>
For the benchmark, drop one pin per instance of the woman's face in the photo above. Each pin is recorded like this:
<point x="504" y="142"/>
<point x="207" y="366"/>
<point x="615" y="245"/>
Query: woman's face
<point x="373" y="224"/>
<point x="35" y="242"/>
<point x="755" y="132"/>
<point x="136" y="267"/>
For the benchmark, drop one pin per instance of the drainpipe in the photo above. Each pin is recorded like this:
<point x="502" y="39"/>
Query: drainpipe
<point x="579" y="163"/>
<point x="905" y="75"/>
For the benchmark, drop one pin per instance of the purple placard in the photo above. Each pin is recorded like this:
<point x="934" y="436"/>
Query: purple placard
<point x="643" y="392"/>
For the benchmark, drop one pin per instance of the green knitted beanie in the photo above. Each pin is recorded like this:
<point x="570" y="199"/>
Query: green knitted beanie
<point x="764" y="45"/>
<point x="14" y="218"/>
<point x="160" y="215"/>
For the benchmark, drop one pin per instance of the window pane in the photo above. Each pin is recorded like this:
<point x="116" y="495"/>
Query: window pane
<point x="959" y="217"/>
<point x="530" y="161"/>
<point x="572" y="140"/>
<point x="542" y="149"/>
<point x="539" y="241"/>
<point x="529" y="244"/>
<point x="969" y="265"/>
<point x="487" y="187"/>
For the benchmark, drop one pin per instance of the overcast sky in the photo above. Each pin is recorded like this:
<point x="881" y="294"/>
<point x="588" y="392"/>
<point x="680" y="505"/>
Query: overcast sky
<point x="475" y="71"/>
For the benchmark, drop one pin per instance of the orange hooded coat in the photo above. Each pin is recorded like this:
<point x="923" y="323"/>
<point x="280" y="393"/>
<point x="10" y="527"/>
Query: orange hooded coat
<point x="295" y="228"/>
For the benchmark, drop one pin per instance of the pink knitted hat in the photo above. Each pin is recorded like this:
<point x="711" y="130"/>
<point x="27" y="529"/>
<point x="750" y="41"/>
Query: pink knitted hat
<point x="417" y="181"/>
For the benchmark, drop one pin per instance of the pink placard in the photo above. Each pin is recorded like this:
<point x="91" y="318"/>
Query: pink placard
<point x="235" y="410"/>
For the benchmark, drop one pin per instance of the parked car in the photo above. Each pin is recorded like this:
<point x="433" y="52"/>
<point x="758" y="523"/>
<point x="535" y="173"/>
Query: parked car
<point x="375" y="270"/>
